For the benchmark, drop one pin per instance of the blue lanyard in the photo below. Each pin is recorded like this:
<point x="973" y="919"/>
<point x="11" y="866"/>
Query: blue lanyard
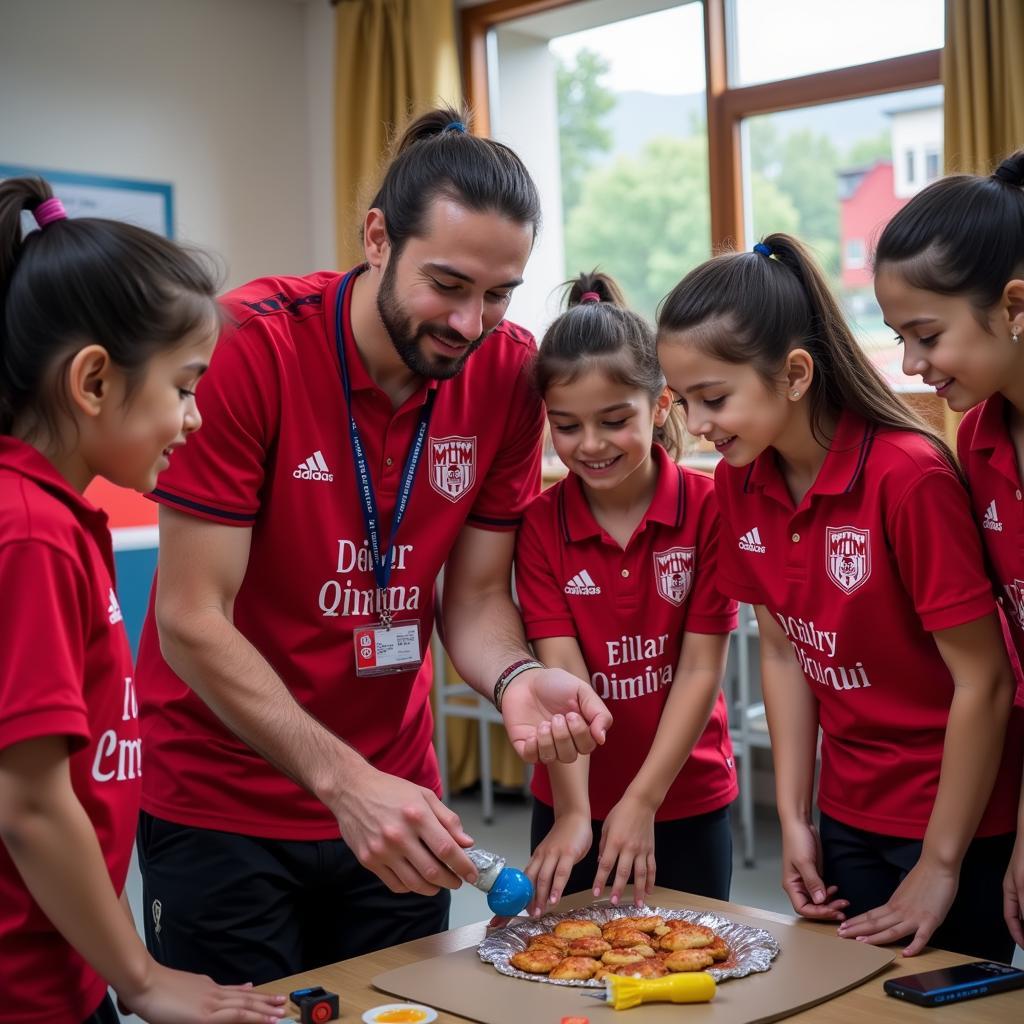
<point x="368" y="499"/>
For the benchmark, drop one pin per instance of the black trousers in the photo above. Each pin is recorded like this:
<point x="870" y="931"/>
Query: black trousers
<point x="692" y="854"/>
<point x="243" y="909"/>
<point x="868" y="868"/>
<point x="105" y="1013"/>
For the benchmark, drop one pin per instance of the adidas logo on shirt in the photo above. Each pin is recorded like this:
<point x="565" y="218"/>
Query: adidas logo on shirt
<point x="751" y="541"/>
<point x="991" y="520"/>
<point x="582" y="585"/>
<point x="113" y="609"/>
<point x="314" y="468"/>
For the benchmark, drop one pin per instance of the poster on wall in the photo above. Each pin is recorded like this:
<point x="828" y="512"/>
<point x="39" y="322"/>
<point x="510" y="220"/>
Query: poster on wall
<point x="147" y="204"/>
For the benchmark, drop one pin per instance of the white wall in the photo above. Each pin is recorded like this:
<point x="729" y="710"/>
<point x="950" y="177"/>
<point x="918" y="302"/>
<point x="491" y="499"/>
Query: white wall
<point x="217" y="97"/>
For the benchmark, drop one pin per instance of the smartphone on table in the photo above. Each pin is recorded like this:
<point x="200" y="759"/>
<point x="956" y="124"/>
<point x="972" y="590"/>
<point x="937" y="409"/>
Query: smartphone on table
<point x="955" y="984"/>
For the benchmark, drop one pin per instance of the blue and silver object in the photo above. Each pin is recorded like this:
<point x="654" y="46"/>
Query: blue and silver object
<point x="508" y="889"/>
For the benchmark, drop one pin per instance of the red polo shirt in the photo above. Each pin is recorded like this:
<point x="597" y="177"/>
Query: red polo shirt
<point x="66" y="671"/>
<point x="274" y="454"/>
<point x="880" y="553"/>
<point x="989" y="462"/>
<point x="629" y="611"/>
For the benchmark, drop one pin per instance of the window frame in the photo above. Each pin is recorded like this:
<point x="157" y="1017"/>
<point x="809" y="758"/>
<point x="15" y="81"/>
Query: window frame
<point x="727" y="106"/>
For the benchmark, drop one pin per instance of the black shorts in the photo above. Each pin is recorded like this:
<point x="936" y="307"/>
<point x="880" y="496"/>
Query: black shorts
<point x="692" y="854"/>
<point x="868" y="867"/>
<point x="240" y="908"/>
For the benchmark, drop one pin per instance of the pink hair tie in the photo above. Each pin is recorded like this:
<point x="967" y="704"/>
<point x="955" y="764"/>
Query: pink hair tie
<point x="590" y="297"/>
<point x="48" y="211"/>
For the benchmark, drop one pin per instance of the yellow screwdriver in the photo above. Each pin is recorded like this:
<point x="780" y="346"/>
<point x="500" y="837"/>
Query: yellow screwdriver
<point x="687" y="987"/>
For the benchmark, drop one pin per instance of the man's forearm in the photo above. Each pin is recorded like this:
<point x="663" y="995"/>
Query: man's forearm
<point x="483" y="637"/>
<point x="239" y="685"/>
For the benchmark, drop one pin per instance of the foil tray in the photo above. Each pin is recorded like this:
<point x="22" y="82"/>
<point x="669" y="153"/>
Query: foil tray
<point x="752" y="949"/>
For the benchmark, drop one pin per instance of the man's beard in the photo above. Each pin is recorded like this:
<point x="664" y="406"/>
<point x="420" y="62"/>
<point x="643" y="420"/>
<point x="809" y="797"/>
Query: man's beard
<point x="407" y="344"/>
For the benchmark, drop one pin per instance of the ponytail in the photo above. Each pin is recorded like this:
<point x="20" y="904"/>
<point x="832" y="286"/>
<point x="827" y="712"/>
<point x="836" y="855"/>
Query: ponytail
<point x="755" y="307"/>
<point x="598" y="331"/>
<point x="16" y="194"/>
<point x="436" y="156"/>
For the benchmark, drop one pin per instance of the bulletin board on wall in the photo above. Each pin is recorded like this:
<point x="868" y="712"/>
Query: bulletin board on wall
<point x="133" y="519"/>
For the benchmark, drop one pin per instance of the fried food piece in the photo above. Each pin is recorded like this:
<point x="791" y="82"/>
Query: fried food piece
<point x="673" y="924"/>
<point x="576" y="929"/>
<point x="688" y="960"/>
<point x="643" y="950"/>
<point x="644" y="969"/>
<point x="602" y="972"/>
<point x="536" y="960"/>
<point x="549" y="941"/>
<point x="576" y="968"/>
<point x="718" y="950"/>
<point x="690" y="936"/>
<point x="615" y="957"/>
<point x="642" y="924"/>
<point x="623" y="938"/>
<point x="590" y="946"/>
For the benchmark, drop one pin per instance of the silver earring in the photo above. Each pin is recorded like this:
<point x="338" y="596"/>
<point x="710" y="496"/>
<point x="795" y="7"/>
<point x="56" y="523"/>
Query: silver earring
<point x="1015" y="336"/>
<point x="795" y="393"/>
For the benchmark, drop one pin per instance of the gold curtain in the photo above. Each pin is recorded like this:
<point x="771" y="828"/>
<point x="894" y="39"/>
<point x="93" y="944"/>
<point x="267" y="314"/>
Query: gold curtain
<point x="983" y="76"/>
<point x="392" y="58"/>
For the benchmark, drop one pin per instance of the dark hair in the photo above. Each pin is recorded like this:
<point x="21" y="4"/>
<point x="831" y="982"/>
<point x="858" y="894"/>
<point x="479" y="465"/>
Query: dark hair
<point x="746" y="307"/>
<point x="602" y="332"/>
<point x="436" y="156"/>
<point x="84" y="280"/>
<point x="962" y="235"/>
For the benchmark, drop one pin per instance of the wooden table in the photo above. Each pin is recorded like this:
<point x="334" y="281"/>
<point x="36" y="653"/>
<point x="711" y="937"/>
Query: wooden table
<point x="866" y="1004"/>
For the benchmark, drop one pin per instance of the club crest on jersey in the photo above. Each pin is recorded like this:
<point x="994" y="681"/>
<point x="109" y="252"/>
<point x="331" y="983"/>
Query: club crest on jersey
<point x="452" y="465"/>
<point x="673" y="571"/>
<point x="847" y="556"/>
<point x="1015" y="598"/>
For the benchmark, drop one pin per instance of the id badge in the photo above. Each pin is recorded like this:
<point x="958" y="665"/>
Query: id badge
<point x="382" y="650"/>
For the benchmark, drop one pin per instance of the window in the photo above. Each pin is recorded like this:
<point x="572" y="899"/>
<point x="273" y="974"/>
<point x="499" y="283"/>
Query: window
<point x="610" y="116"/>
<point x="776" y="39"/>
<point x="687" y="126"/>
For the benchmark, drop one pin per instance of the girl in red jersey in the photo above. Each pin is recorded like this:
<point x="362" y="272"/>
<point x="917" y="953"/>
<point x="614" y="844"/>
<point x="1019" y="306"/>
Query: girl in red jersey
<point x="845" y="523"/>
<point x="614" y="571"/>
<point x="105" y="331"/>
<point x="949" y="275"/>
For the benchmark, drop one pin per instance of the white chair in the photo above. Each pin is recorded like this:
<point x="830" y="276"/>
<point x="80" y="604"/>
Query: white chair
<point x="748" y="724"/>
<point x="469" y="705"/>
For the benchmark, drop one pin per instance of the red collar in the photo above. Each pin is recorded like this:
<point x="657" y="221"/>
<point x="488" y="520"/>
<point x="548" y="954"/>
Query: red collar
<point x="667" y="505"/>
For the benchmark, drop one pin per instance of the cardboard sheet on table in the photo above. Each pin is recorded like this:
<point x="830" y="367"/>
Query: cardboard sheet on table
<point x="811" y="967"/>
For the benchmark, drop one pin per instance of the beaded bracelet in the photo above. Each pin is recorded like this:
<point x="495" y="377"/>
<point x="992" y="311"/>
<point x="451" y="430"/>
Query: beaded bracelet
<point x="506" y="677"/>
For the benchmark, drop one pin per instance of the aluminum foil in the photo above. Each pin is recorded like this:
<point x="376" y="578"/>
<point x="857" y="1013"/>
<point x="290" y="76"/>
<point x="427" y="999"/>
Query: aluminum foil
<point x="752" y="949"/>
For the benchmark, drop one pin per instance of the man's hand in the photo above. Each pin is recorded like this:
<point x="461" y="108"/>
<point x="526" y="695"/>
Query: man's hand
<point x="403" y="834"/>
<point x="551" y="715"/>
